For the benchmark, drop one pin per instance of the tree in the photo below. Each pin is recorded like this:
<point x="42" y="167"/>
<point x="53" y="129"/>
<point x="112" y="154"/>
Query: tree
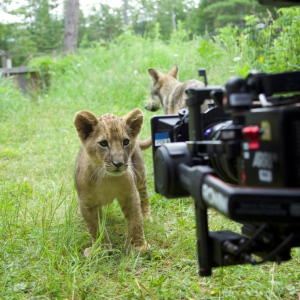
<point x="40" y="32"/>
<point x="71" y="26"/>
<point x="45" y="28"/>
<point x="147" y="13"/>
<point x="103" y="23"/>
<point x="212" y="14"/>
<point x="125" y="12"/>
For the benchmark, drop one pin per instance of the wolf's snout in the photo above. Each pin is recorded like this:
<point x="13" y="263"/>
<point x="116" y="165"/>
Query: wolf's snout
<point x="149" y="106"/>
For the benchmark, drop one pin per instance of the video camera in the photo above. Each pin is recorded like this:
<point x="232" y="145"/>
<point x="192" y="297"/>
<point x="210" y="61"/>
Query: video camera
<point x="242" y="158"/>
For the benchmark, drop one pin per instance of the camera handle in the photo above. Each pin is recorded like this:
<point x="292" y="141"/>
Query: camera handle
<point x="191" y="177"/>
<point x="223" y="248"/>
<point x="195" y="98"/>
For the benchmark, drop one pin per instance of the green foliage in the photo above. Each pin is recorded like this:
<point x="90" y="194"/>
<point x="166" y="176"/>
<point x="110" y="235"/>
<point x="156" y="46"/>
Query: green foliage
<point x="179" y="35"/>
<point x="228" y="11"/>
<point x="46" y="30"/>
<point x="104" y="23"/>
<point x="264" y="45"/>
<point x="155" y="32"/>
<point x="16" y="41"/>
<point x="213" y="14"/>
<point x="285" y="54"/>
<point x="146" y="14"/>
<point x="227" y="37"/>
<point x="43" y="30"/>
<point x="11" y="99"/>
<point x="244" y="70"/>
<point x="44" y="66"/>
<point x="49" y="67"/>
<point x="210" y="50"/>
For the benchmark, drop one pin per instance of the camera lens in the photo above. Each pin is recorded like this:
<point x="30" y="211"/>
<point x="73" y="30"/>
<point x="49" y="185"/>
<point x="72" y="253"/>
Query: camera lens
<point x="163" y="171"/>
<point x="166" y="161"/>
<point x="225" y="167"/>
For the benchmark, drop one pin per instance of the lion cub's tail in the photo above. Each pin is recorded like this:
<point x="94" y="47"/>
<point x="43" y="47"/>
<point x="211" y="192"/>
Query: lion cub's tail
<point x="146" y="143"/>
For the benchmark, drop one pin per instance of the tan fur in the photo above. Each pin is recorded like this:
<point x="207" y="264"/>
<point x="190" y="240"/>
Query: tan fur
<point x="113" y="171"/>
<point x="146" y="143"/>
<point x="169" y="93"/>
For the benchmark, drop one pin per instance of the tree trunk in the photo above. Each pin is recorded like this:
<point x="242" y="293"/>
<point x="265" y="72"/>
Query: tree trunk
<point x="71" y="26"/>
<point x="125" y="12"/>
<point x="173" y="17"/>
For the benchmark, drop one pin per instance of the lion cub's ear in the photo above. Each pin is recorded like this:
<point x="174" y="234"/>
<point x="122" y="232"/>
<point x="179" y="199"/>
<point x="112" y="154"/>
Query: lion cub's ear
<point x="84" y="122"/>
<point x="134" y="120"/>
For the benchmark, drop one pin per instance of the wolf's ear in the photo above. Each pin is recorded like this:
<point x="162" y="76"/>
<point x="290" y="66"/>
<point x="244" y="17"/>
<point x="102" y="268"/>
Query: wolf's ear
<point x="84" y="122"/>
<point x="174" y="72"/>
<point x="156" y="75"/>
<point x="134" y="121"/>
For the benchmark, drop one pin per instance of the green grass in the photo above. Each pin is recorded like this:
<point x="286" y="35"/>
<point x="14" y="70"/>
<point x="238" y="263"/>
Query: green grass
<point x="41" y="236"/>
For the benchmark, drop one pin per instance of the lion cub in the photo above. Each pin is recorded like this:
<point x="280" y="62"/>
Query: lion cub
<point x="110" y="166"/>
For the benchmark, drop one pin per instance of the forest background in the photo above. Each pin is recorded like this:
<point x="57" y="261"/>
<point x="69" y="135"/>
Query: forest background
<point x="42" y="22"/>
<point x="41" y="236"/>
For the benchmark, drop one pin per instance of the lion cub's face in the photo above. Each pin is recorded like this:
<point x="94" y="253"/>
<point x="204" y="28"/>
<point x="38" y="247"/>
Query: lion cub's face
<point x="109" y="140"/>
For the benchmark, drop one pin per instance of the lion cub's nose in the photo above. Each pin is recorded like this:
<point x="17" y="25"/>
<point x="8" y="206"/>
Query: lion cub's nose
<point x="118" y="164"/>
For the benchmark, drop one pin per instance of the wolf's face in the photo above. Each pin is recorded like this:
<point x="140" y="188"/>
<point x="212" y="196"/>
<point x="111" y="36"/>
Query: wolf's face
<point x="154" y="102"/>
<point x="161" y="86"/>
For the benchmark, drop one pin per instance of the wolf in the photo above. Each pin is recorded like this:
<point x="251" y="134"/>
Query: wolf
<point x="167" y="92"/>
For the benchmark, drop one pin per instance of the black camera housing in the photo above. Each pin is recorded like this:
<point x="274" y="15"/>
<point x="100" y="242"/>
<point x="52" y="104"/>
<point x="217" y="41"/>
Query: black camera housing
<point x="241" y="157"/>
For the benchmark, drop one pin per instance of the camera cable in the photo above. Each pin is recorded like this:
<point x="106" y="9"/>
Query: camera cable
<point x="282" y="246"/>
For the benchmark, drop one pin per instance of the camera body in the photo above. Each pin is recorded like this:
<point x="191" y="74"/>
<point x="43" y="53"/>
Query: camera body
<point x="241" y="157"/>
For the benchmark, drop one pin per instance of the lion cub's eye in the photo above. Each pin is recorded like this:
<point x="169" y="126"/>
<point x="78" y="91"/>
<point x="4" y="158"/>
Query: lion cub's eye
<point x="103" y="144"/>
<point x="126" y="142"/>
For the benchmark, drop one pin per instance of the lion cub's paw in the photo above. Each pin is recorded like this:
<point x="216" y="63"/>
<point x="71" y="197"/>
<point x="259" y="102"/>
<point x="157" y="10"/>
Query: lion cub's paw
<point x="148" y="218"/>
<point x="139" y="248"/>
<point x="144" y="247"/>
<point x="87" y="252"/>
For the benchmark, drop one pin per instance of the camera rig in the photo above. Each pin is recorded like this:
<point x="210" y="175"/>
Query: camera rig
<point x="242" y="158"/>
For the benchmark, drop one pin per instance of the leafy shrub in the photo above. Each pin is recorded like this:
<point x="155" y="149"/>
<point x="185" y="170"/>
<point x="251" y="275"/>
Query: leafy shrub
<point x="284" y="55"/>
<point x="266" y="45"/>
